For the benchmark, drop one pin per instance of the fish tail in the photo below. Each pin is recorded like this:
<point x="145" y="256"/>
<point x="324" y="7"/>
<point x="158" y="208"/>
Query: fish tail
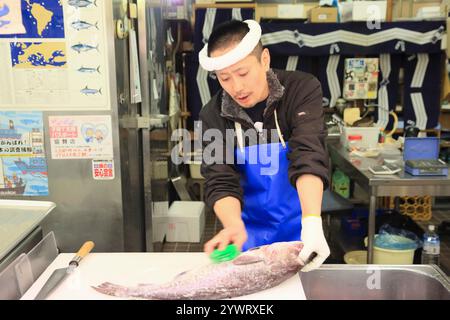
<point x="100" y="90"/>
<point x="95" y="2"/>
<point x="98" y="70"/>
<point x="96" y="48"/>
<point x="96" y="25"/>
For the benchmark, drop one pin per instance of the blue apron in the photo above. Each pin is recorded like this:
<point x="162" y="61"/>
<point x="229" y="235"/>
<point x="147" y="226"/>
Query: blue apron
<point x="272" y="211"/>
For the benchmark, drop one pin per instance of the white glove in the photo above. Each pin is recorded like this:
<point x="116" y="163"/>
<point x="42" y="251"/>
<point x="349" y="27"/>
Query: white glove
<point x="313" y="241"/>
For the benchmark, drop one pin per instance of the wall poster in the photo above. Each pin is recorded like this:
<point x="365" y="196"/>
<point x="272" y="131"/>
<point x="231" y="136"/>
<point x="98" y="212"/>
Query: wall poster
<point x="23" y="167"/>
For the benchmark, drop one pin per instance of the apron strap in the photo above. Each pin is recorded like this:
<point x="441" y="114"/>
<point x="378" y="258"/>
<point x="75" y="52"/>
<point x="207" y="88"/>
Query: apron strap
<point x="239" y="136"/>
<point x="240" y="133"/>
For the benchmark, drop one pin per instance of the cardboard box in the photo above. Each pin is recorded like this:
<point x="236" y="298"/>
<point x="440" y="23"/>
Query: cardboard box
<point x="185" y="221"/>
<point x="323" y="14"/>
<point x="363" y="11"/>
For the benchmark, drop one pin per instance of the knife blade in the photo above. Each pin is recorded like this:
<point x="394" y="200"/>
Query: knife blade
<point x="60" y="274"/>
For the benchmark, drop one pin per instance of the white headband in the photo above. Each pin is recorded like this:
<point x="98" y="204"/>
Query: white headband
<point x="243" y="49"/>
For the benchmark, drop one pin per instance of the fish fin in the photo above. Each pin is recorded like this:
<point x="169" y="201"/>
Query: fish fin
<point x="246" y="259"/>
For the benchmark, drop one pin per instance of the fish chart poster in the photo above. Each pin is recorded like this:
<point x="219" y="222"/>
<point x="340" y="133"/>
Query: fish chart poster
<point x="23" y="167"/>
<point x="59" y="61"/>
<point x="81" y="137"/>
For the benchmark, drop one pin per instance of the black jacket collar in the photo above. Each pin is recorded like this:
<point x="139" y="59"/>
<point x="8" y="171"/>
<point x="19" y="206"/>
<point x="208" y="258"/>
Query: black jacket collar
<point x="231" y="110"/>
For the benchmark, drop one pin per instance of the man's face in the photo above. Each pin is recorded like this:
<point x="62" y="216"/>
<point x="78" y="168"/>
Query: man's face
<point x="245" y="81"/>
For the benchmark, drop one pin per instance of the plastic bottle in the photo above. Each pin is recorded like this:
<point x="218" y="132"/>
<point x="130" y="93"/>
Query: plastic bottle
<point x="431" y="246"/>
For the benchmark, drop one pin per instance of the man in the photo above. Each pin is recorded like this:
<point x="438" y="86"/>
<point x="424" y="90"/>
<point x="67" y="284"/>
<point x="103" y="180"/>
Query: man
<point x="284" y="205"/>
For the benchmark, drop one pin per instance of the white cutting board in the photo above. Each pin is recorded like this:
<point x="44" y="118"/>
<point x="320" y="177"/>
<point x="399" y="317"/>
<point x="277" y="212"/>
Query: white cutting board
<point x="130" y="269"/>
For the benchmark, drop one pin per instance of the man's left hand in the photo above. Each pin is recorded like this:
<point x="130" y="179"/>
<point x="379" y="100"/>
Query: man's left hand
<point x="313" y="241"/>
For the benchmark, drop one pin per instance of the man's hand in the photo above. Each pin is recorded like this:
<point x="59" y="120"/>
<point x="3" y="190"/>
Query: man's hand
<point x="232" y="234"/>
<point x="313" y="241"/>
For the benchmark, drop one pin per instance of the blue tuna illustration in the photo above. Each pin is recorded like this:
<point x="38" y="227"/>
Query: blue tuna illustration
<point x="89" y="70"/>
<point x="88" y="91"/>
<point x="4" y="23"/>
<point x="80" y="25"/>
<point x="81" y="3"/>
<point x="83" y="47"/>
<point x="4" y="10"/>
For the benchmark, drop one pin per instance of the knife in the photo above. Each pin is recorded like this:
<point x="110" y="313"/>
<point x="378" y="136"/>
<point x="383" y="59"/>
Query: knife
<point x="59" y="274"/>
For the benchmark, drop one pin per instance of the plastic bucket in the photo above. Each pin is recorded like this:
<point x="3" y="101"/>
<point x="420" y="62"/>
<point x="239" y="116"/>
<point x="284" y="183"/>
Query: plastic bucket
<point x="391" y="256"/>
<point x="356" y="257"/>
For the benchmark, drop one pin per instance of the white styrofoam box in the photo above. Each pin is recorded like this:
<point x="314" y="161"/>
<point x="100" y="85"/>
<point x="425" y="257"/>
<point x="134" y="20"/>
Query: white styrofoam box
<point x="369" y="136"/>
<point x="160" y="210"/>
<point x="186" y="221"/>
<point x="291" y="11"/>
<point x="363" y="11"/>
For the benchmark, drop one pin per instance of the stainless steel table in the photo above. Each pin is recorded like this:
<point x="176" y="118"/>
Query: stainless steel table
<point x="400" y="184"/>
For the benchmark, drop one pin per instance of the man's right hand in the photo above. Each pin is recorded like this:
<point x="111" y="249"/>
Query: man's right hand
<point x="232" y="234"/>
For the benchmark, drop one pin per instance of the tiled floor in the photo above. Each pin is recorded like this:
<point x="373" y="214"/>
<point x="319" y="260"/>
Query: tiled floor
<point x="213" y="225"/>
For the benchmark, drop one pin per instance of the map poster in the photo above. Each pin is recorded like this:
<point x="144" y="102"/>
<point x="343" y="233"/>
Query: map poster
<point x="61" y="61"/>
<point x="23" y="167"/>
<point x="103" y="169"/>
<point x="81" y="137"/>
<point x="11" y="17"/>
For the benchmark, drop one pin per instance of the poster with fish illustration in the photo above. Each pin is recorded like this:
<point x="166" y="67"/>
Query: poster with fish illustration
<point x="81" y="137"/>
<point x="23" y="166"/>
<point x="61" y="61"/>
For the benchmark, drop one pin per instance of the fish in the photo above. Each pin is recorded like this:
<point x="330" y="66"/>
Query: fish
<point x="81" y="3"/>
<point x="80" y="25"/>
<point x="4" y="10"/>
<point x="89" y="70"/>
<point x="83" y="47"/>
<point x="255" y="270"/>
<point x="4" y="23"/>
<point x="87" y="91"/>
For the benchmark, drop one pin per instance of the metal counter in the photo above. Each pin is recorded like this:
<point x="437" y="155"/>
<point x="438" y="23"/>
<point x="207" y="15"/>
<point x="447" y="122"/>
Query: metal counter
<point x="19" y="220"/>
<point x="400" y="184"/>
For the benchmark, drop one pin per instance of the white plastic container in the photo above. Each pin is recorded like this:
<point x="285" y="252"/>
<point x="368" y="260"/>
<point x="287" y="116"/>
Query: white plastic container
<point x="363" y="11"/>
<point x="185" y="221"/>
<point x="369" y="136"/>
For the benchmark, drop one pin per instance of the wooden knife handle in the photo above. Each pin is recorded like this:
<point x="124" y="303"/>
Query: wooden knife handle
<point x="84" y="250"/>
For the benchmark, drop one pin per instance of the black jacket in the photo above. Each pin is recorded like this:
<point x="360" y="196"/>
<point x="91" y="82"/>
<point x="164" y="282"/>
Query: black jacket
<point x="297" y="97"/>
